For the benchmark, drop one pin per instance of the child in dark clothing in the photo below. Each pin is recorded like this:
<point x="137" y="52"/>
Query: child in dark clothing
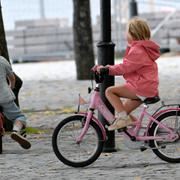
<point x="10" y="109"/>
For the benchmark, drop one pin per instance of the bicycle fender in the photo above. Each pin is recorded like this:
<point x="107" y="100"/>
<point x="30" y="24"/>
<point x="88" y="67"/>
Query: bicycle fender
<point x="97" y="122"/>
<point x="159" y="113"/>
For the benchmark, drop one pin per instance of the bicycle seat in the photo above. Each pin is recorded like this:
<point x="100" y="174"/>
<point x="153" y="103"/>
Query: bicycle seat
<point x="152" y="100"/>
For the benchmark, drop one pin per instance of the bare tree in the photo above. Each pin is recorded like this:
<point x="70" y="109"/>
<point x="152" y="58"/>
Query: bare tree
<point x="83" y="42"/>
<point x="4" y="53"/>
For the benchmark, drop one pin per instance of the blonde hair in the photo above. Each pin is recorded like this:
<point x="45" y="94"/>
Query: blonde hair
<point x="139" y="29"/>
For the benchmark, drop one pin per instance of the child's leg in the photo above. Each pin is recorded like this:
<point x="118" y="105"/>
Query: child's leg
<point x="130" y="105"/>
<point x="114" y="94"/>
<point x="13" y="113"/>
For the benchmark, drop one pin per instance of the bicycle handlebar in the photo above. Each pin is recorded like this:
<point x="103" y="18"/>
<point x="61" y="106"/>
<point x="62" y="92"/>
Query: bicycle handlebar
<point x="99" y="77"/>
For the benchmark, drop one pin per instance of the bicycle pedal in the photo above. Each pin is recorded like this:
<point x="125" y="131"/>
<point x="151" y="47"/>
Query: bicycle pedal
<point x="122" y="129"/>
<point x="143" y="148"/>
<point x="163" y="147"/>
<point x="106" y="126"/>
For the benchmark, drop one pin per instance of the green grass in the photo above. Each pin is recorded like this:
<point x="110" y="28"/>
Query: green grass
<point x="32" y="130"/>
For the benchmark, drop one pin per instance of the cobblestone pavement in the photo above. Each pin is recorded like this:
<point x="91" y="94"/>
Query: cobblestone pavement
<point x="60" y="95"/>
<point x="40" y="163"/>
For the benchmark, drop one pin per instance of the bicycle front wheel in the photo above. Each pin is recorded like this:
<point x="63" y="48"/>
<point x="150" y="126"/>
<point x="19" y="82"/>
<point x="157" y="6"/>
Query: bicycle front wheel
<point x="166" y="150"/>
<point x="68" y="150"/>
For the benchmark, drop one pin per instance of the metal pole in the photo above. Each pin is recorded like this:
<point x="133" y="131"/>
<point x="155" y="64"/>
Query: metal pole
<point x="106" y="56"/>
<point x="133" y="8"/>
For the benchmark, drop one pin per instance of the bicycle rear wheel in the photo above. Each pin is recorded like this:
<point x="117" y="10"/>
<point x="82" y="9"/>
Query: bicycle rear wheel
<point x="68" y="150"/>
<point x="167" y="151"/>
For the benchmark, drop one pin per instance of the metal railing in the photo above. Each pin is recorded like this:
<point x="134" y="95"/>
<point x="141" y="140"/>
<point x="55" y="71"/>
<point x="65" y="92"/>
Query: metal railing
<point x="162" y="23"/>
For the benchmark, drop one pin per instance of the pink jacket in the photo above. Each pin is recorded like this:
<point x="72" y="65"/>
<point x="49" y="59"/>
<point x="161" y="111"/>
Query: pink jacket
<point x="139" y="68"/>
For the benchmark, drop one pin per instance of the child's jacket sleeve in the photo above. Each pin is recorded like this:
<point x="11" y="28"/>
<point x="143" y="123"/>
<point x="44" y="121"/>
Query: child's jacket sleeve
<point x="132" y="61"/>
<point x="8" y="68"/>
<point x="135" y="58"/>
<point x="6" y="65"/>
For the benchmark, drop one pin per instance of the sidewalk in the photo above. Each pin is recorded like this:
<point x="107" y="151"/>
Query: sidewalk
<point x="59" y="93"/>
<point x="40" y="163"/>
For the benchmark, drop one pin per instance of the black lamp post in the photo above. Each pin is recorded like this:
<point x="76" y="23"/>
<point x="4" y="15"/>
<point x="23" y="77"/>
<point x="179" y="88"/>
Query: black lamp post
<point x="106" y="56"/>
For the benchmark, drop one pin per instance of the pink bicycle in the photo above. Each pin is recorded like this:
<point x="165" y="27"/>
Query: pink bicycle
<point x="78" y="140"/>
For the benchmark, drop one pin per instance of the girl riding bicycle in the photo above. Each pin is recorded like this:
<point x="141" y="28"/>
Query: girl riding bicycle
<point x="140" y="71"/>
<point x="78" y="140"/>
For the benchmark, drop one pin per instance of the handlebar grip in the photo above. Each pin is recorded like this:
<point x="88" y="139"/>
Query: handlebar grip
<point x="104" y="71"/>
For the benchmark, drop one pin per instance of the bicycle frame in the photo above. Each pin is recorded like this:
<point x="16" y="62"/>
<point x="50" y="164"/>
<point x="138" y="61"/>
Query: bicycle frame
<point x="97" y="103"/>
<point x="145" y="137"/>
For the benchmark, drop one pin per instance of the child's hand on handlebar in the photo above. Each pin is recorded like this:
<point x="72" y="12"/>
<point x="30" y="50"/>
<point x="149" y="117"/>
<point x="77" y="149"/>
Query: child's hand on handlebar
<point x="100" y="69"/>
<point x="97" y="68"/>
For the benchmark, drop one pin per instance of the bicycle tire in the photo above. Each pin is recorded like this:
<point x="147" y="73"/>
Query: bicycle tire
<point x="160" y="151"/>
<point x="66" y="152"/>
<point x="1" y="144"/>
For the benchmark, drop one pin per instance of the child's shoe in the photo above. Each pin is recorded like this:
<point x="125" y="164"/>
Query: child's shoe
<point x="121" y="121"/>
<point x="19" y="135"/>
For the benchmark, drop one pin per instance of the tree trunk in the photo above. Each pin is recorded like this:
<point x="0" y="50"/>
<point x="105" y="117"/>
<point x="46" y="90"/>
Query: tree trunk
<point x="83" y="42"/>
<point x="4" y="53"/>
